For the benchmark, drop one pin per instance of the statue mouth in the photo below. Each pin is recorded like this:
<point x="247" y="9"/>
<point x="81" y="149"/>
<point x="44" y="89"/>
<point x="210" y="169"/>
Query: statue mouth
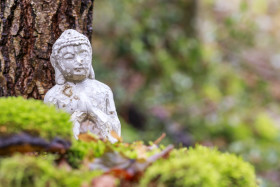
<point x="79" y="69"/>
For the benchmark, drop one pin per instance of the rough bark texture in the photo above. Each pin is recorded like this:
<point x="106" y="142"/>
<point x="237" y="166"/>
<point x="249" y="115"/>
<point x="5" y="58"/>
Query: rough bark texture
<point x="28" y="30"/>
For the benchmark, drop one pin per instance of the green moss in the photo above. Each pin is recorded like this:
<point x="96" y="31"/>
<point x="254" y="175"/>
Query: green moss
<point x="80" y="150"/>
<point x="18" y="114"/>
<point x="27" y="171"/>
<point x="201" y="167"/>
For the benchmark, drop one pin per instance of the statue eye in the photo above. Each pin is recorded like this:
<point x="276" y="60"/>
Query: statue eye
<point x="68" y="56"/>
<point x="83" y="53"/>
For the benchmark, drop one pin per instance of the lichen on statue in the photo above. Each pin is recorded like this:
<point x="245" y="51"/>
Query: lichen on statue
<point x="89" y="101"/>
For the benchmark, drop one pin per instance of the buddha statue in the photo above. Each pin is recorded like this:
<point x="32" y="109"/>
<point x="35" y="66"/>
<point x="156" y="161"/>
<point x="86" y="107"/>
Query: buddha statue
<point x="89" y="101"/>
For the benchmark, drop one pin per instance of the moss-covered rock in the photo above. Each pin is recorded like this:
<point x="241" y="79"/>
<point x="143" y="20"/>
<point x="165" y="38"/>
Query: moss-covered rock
<point x="200" y="167"/>
<point x="195" y="167"/>
<point x="18" y="114"/>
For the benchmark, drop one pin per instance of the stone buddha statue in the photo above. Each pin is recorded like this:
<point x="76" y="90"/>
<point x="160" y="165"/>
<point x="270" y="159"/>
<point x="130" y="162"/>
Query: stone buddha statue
<point x="89" y="101"/>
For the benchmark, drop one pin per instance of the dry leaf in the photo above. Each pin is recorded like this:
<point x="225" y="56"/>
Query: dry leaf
<point x="115" y="135"/>
<point x="87" y="137"/>
<point x="122" y="167"/>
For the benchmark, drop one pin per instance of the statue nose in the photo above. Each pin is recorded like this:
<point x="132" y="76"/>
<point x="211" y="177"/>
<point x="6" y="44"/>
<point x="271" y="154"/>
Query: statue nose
<point x="80" y="60"/>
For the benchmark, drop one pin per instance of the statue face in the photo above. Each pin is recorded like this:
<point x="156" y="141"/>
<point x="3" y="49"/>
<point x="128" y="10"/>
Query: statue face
<point x="75" y="62"/>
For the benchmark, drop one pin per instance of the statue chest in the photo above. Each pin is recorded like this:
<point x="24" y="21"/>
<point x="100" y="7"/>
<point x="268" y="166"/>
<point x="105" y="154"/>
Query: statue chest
<point x="73" y="98"/>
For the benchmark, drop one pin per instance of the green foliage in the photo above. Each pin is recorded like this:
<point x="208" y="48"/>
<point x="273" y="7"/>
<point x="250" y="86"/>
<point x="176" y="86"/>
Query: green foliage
<point x="18" y="114"/>
<point x="200" y="167"/>
<point x="129" y="134"/>
<point x="265" y="127"/>
<point x="217" y="83"/>
<point x="27" y="171"/>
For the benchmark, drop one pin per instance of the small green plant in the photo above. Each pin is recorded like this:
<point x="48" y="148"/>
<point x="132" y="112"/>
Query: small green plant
<point x="200" y="167"/>
<point x="18" y="114"/>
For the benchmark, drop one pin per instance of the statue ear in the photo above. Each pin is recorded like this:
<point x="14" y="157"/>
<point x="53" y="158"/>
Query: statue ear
<point x="53" y="60"/>
<point x="91" y="73"/>
<point x="59" y="78"/>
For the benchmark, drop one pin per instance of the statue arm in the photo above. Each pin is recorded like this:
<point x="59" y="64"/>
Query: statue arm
<point x="108" y="117"/>
<point x="111" y="111"/>
<point x="50" y="98"/>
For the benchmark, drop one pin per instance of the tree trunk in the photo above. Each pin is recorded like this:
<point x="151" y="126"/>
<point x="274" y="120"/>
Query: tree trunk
<point x="28" y="30"/>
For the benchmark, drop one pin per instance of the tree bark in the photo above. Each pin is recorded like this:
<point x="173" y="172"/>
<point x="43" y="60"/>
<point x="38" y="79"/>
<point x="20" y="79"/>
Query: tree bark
<point x="28" y="31"/>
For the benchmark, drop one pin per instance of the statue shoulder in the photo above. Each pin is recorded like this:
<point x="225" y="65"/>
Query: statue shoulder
<point x="102" y="86"/>
<point x="52" y="95"/>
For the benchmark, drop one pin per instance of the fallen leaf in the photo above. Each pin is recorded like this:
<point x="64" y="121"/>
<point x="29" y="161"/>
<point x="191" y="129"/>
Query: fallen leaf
<point x="87" y="137"/>
<point x="115" y="163"/>
<point x="115" y="135"/>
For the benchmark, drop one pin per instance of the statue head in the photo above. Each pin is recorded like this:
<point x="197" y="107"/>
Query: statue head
<point x="71" y="57"/>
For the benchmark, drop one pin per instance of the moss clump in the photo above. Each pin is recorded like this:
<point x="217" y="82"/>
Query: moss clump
<point x="27" y="171"/>
<point x="80" y="150"/>
<point x="201" y="167"/>
<point x="96" y="148"/>
<point x="18" y="114"/>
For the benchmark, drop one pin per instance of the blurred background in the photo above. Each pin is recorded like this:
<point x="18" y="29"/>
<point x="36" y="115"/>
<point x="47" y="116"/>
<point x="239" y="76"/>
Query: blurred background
<point x="202" y="71"/>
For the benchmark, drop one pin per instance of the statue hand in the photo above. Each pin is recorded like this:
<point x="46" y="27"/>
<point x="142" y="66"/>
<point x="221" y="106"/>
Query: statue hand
<point x="77" y="118"/>
<point x="76" y="130"/>
<point x="98" y="115"/>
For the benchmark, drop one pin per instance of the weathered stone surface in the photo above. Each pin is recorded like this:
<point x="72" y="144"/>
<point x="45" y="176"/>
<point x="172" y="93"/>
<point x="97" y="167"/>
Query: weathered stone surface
<point x="89" y="101"/>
